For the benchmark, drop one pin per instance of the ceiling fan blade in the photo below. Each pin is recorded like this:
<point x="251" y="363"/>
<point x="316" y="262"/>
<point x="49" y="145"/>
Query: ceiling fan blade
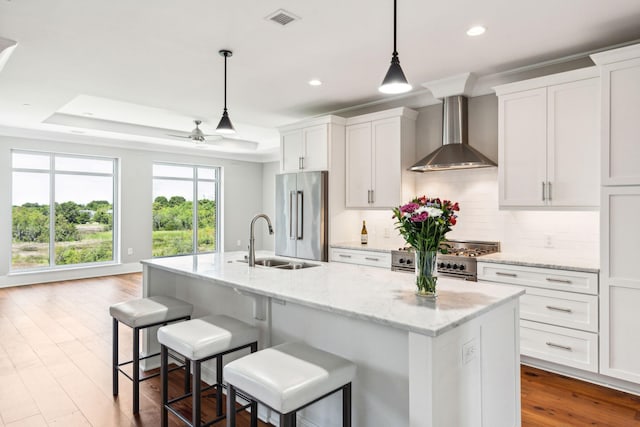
<point x="178" y="136"/>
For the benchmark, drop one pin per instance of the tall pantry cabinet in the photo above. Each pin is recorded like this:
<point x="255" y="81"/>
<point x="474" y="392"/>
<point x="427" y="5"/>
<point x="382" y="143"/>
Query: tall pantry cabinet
<point x="620" y="213"/>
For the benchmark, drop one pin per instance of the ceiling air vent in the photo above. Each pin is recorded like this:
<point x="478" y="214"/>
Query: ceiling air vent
<point x="282" y="17"/>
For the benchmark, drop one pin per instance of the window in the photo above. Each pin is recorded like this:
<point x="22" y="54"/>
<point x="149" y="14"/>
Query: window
<point x="180" y="226"/>
<point x="62" y="210"/>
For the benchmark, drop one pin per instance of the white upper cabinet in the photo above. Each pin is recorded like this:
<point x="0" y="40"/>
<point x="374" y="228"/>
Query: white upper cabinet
<point x="379" y="149"/>
<point x="548" y="132"/>
<point x="620" y="74"/>
<point x="307" y="145"/>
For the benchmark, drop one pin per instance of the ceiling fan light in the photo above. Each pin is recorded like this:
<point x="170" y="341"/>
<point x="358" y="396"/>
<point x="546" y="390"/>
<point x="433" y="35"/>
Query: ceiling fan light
<point x="395" y="80"/>
<point x="225" y="126"/>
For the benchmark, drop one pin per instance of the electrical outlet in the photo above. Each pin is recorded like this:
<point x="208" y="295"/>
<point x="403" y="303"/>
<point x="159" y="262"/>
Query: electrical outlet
<point x="387" y="232"/>
<point x="469" y="351"/>
<point x="548" y="240"/>
<point x="239" y="243"/>
<point x="130" y="251"/>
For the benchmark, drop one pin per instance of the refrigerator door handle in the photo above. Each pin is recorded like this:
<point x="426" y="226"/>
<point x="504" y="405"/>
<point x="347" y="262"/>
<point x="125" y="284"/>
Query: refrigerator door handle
<point x="300" y="215"/>
<point x="291" y="237"/>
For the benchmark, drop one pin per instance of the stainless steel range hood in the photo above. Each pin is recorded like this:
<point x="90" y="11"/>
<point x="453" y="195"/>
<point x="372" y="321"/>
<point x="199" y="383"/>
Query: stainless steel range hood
<point x="455" y="153"/>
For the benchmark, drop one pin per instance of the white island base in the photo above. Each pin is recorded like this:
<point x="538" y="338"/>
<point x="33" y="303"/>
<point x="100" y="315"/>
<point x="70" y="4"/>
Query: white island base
<point x="452" y="363"/>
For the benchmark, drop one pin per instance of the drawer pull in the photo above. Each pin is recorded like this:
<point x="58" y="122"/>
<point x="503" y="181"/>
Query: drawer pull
<point x="551" y="279"/>
<point x="563" y="347"/>
<point x="500" y="273"/>
<point x="370" y="258"/>
<point x="344" y="256"/>
<point x="564" y="310"/>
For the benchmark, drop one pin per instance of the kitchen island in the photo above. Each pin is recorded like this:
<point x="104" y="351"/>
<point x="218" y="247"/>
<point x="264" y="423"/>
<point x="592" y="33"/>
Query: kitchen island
<point x="452" y="362"/>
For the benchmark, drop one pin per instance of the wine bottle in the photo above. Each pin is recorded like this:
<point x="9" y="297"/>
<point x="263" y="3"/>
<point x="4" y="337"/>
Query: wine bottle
<point x="364" y="236"/>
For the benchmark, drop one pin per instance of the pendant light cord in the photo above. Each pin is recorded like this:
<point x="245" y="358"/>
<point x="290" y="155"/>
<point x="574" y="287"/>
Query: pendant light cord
<point x="395" y="26"/>
<point x="225" y="81"/>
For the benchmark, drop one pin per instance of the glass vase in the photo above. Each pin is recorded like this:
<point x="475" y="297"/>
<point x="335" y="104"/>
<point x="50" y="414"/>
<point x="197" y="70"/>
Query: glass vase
<point x="425" y="274"/>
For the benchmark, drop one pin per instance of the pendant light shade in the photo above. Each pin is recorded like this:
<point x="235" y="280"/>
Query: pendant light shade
<point x="395" y="80"/>
<point x="225" y="126"/>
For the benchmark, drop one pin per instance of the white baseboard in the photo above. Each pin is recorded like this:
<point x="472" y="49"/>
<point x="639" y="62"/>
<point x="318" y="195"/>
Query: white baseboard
<point x="73" y="273"/>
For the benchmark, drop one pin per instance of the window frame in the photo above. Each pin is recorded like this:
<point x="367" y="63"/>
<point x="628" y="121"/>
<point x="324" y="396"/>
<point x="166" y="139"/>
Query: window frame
<point x="194" y="219"/>
<point x="51" y="172"/>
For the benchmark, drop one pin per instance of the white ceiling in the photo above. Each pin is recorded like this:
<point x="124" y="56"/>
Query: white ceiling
<point x="155" y="63"/>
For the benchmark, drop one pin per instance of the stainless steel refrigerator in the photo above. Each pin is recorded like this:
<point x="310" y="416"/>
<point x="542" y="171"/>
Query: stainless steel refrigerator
<point x="301" y="215"/>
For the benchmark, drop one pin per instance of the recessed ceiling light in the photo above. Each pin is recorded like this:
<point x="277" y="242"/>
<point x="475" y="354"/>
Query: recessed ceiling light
<point x="26" y="105"/>
<point x="87" y="113"/>
<point x="79" y="132"/>
<point x="476" y="31"/>
<point x="315" y="82"/>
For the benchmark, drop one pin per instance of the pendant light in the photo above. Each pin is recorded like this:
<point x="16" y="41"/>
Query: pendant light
<point x="225" y="125"/>
<point x="395" y="81"/>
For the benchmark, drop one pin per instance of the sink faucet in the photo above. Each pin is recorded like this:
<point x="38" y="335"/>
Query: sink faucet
<point x="252" y="238"/>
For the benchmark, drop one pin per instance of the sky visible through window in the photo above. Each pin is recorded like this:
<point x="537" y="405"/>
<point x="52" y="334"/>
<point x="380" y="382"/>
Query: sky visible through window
<point x="28" y="187"/>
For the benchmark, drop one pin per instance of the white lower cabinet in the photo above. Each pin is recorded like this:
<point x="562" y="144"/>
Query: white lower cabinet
<point x="364" y="257"/>
<point x="558" y="312"/>
<point x="620" y="295"/>
<point x="564" y="346"/>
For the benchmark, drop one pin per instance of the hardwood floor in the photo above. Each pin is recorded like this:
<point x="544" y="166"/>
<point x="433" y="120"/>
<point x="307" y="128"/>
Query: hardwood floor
<point x="55" y="360"/>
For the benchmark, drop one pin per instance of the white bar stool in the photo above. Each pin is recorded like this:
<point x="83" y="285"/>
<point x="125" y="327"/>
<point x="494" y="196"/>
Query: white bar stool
<point x="288" y="378"/>
<point x="141" y="314"/>
<point x="200" y="340"/>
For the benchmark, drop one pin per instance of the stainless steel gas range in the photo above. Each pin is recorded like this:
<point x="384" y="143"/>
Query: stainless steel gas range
<point x="458" y="261"/>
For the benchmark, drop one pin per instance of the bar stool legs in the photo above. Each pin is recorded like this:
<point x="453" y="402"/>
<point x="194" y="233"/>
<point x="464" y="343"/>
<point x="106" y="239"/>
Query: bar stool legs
<point x="346" y="405"/>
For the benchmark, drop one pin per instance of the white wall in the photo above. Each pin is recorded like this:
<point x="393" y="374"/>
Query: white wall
<point x="242" y="197"/>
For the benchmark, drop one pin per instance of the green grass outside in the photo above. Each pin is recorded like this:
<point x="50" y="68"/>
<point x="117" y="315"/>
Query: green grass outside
<point x="96" y="246"/>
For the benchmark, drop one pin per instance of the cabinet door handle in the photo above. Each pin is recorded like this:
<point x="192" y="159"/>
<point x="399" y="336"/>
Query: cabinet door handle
<point x="551" y="279"/>
<point x="564" y="310"/>
<point x="369" y="196"/>
<point x="500" y="273"/>
<point x="344" y="256"/>
<point x="373" y="196"/>
<point x="543" y="197"/>
<point x="549" y="190"/>
<point x="300" y="162"/>
<point x="563" y="347"/>
<point x="370" y="258"/>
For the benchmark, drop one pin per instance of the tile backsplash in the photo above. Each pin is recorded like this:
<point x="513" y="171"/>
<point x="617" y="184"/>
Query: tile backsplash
<point x="568" y="232"/>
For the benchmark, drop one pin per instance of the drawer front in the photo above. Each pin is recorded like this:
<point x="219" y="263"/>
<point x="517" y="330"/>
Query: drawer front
<point x="559" y="345"/>
<point x="370" y="258"/>
<point x="557" y="308"/>
<point x="547" y="278"/>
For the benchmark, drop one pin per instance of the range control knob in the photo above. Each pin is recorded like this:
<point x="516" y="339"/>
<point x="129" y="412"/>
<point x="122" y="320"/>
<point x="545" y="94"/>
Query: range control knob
<point x="455" y="266"/>
<point x="441" y="265"/>
<point x="401" y="260"/>
<point x="409" y="262"/>
<point x="462" y="267"/>
<point x="448" y="265"/>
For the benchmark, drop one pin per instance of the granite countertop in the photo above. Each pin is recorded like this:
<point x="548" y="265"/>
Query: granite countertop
<point x="570" y="262"/>
<point x="362" y="292"/>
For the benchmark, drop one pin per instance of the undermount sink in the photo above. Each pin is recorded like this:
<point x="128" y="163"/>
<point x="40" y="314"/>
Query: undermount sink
<point x="281" y="264"/>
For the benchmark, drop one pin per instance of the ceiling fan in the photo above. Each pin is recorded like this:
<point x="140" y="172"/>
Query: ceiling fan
<point x="200" y="137"/>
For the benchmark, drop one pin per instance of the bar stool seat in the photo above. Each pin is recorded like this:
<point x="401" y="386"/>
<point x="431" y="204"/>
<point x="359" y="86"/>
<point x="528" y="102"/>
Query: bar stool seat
<point x="140" y="314"/>
<point x="206" y="336"/>
<point x="289" y="377"/>
<point x="200" y="340"/>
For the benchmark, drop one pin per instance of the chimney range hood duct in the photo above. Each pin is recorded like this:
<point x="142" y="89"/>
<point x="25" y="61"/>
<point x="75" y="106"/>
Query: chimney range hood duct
<point x="455" y="153"/>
